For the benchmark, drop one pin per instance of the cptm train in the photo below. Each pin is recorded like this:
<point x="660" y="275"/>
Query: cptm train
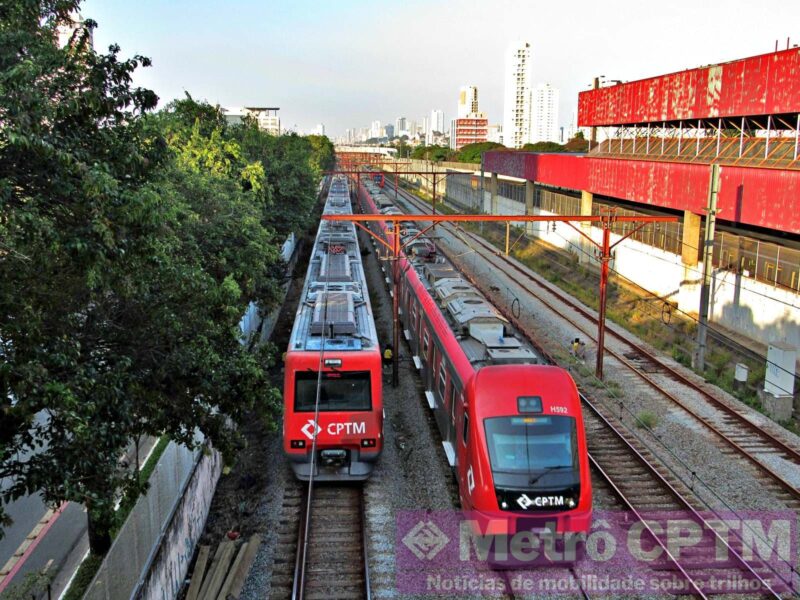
<point x="511" y="428"/>
<point x="333" y="406"/>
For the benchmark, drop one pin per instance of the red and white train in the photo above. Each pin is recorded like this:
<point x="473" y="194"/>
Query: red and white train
<point x="333" y="410"/>
<point x="511" y="428"/>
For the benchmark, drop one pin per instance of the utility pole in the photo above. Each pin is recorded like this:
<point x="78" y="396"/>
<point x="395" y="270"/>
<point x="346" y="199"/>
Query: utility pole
<point x="395" y="302"/>
<point x="605" y="257"/>
<point x="593" y="135"/>
<point x="708" y="254"/>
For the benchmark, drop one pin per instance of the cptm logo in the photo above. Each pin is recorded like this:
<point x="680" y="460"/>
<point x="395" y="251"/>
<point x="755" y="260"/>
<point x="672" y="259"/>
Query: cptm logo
<point x="425" y="540"/>
<point x="311" y="429"/>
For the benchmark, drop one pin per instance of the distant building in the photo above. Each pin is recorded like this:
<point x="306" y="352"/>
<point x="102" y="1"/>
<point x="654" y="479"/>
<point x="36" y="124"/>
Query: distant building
<point x="517" y="101"/>
<point x="65" y="30"/>
<point x="435" y="125"/>
<point x="375" y="130"/>
<point x="266" y="117"/>
<point x="349" y="136"/>
<point x="495" y="133"/>
<point x="389" y="130"/>
<point x="467" y="101"/>
<point x="424" y="125"/>
<point x="544" y="127"/>
<point x="472" y="129"/>
<point x="319" y="129"/>
<point x="412" y="129"/>
<point x="401" y="125"/>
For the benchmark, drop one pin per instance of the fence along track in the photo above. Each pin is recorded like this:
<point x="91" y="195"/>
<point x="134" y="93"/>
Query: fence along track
<point x="608" y="455"/>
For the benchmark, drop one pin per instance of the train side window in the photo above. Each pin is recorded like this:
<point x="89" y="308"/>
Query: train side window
<point x="426" y="340"/>
<point x="466" y="427"/>
<point x="443" y="383"/>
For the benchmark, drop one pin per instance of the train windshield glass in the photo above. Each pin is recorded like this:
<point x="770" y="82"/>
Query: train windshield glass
<point x="531" y="444"/>
<point x="340" y="391"/>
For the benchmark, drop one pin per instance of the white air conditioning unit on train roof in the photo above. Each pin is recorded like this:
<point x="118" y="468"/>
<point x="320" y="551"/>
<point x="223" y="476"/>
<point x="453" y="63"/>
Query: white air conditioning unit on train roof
<point x="336" y="310"/>
<point x="450" y="289"/>
<point x="436" y="271"/>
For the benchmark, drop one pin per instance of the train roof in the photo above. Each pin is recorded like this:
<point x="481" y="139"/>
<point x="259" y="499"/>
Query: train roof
<point x="485" y="336"/>
<point x="335" y="303"/>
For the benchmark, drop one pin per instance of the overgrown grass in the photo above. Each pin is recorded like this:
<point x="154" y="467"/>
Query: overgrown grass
<point x="91" y="564"/>
<point x="646" y="419"/>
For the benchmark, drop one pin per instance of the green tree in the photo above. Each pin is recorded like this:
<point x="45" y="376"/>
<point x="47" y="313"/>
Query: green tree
<point x="543" y="147"/>
<point x="434" y="153"/>
<point x="471" y="153"/>
<point x="129" y="248"/>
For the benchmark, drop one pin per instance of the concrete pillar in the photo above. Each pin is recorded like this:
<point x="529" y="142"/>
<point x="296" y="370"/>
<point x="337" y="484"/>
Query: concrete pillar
<point x="691" y="244"/>
<point x="493" y="191"/>
<point x="690" y="248"/>
<point x="587" y="249"/>
<point x="529" y="191"/>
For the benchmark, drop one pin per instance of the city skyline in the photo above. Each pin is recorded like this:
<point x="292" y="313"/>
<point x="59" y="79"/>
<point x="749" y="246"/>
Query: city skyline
<point x="316" y="73"/>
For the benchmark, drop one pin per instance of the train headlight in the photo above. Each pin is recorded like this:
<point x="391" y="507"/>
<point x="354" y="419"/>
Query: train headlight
<point x="368" y="443"/>
<point x="504" y="505"/>
<point x="297" y="444"/>
<point x="571" y="503"/>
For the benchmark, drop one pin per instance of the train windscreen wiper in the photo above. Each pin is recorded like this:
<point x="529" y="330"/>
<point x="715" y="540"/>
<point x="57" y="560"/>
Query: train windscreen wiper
<point x="533" y="480"/>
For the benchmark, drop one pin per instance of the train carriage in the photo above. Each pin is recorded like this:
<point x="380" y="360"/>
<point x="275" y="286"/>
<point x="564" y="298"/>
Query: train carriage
<point x="511" y="428"/>
<point x="333" y="407"/>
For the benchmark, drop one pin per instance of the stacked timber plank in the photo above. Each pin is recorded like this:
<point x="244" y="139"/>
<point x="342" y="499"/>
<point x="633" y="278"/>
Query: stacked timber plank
<point x="222" y="576"/>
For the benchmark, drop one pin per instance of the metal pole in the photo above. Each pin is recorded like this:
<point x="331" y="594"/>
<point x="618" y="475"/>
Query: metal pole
<point x="508" y="234"/>
<point x="605" y="257"/>
<point x="719" y="134"/>
<point x="708" y="254"/>
<point x="647" y="147"/>
<point x="395" y="303"/>
<point x="593" y="132"/>
<point x="766" y="145"/>
<point x="741" y="138"/>
<point x="796" y="136"/>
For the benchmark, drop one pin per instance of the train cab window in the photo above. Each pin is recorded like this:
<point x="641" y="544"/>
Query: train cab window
<point x="531" y="444"/>
<point x="339" y="392"/>
<point x="442" y="383"/>
<point x="466" y="428"/>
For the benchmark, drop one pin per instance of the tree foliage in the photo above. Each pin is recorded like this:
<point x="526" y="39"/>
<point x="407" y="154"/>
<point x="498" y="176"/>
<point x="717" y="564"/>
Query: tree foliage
<point x="434" y="153"/>
<point x="130" y="246"/>
<point x="471" y="153"/>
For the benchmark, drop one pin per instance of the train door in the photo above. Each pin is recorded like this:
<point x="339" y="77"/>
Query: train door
<point x="464" y="468"/>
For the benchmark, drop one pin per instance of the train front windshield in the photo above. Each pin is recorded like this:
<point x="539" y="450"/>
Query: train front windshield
<point x="532" y="445"/>
<point x="348" y="391"/>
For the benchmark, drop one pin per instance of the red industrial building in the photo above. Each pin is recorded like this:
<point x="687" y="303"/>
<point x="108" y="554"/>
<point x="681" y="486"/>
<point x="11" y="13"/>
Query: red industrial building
<point x="660" y="137"/>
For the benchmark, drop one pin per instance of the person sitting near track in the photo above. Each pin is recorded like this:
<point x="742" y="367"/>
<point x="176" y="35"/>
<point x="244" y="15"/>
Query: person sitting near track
<point x="388" y="354"/>
<point x="575" y="347"/>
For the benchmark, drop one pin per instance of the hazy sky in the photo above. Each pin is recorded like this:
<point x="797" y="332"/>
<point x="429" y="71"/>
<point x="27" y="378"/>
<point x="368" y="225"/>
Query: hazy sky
<point x="346" y="62"/>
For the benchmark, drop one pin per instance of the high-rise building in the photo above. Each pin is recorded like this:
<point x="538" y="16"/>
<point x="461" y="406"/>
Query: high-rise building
<point x="349" y="136"/>
<point x="436" y="124"/>
<point x="412" y="128"/>
<point x="375" y="130"/>
<point x="73" y="25"/>
<point x="401" y="125"/>
<point x="517" y="91"/>
<point x="495" y="133"/>
<point x="467" y="100"/>
<point x="424" y="125"/>
<point x="319" y="129"/>
<point x="389" y="130"/>
<point x="266" y="117"/>
<point x="544" y="126"/>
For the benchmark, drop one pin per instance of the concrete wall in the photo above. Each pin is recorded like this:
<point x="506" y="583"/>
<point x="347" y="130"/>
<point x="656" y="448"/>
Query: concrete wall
<point x="168" y="569"/>
<point x="153" y="549"/>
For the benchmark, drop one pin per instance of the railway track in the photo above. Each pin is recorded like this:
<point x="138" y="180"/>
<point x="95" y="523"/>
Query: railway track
<point x="730" y="426"/>
<point x="328" y="560"/>
<point x="643" y="484"/>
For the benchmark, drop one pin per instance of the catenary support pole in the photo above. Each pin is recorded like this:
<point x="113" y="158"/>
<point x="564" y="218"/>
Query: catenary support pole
<point x="605" y="257"/>
<point x="708" y="254"/>
<point x="395" y="302"/>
